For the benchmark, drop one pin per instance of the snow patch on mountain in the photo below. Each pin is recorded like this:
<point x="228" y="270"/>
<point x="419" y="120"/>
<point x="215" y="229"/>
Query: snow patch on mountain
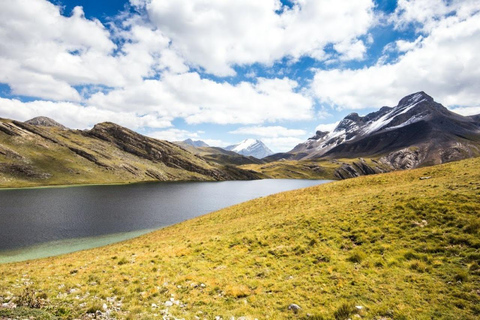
<point x="251" y="147"/>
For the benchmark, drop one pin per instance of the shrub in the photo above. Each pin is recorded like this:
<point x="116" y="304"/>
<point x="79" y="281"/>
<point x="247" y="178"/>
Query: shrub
<point x="29" y="299"/>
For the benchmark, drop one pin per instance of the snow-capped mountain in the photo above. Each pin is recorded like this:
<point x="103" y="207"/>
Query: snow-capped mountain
<point x="438" y="134"/>
<point x="251" y="147"/>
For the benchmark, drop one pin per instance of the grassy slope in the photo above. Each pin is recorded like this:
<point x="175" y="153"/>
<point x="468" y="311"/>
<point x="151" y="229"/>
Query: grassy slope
<point x="400" y="246"/>
<point x="306" y="169"/>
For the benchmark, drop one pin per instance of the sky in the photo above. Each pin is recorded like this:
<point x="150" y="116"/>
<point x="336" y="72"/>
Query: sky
<point x="225" y="70"/>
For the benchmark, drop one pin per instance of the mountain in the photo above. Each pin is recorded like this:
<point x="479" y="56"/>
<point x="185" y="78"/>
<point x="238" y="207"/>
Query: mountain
<point x="251" y="147"/>
<point x="45" y="122"/>
<point x="32" y="153"/>
<point x="196" y="143"/>
<point x="216" y="154"/>
<point x="418" y="131"/>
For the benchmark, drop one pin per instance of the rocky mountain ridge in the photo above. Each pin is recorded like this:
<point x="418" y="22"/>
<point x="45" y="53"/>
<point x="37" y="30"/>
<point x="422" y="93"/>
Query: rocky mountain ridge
<point x="418" y="131"/>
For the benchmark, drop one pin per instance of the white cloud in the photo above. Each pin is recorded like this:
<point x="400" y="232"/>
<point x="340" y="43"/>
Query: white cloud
<point x="282" y="144"/>
<point x="466" y="111"/>
<point x="42" y="52"/>
<point x="216" y="143"/>
<point x="425" y="14"/>
<point x="351" y="50"/>
<point x="418" y="11"/>
<point x="327" y="127"/>
<point x="76" y="116"/>
<point x="216" y="35"/>
<point x="200" y="100"/>
<point x="443" y="63"/>
<point x="45" y="54"/>
<point x="173" y="134"/>
<point x="269" y="131"/>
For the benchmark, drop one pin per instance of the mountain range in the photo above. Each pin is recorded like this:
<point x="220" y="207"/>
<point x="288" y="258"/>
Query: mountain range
<point x="193" y="143"/>
<point x="418" y="131"/>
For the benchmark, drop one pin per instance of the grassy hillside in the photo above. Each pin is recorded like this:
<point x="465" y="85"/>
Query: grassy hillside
<point x="317" y="169"/>
<point x="402" y="245"/>
<point x="33" y="155"/>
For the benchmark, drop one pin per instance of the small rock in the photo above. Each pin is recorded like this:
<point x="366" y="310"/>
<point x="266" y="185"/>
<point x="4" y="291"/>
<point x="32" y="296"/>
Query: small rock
<point x="168" y="303"/>
<point x="359" y="307"/>
<point x="294" y="307"/>
<point x="425" y="178"/>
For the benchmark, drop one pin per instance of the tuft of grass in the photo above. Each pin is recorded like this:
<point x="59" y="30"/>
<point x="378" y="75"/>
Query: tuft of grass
<point x="345" y="311"/>
<point x="357" y="256"/>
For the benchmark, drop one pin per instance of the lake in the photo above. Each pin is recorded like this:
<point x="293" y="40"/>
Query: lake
<point x="43" y="222"/>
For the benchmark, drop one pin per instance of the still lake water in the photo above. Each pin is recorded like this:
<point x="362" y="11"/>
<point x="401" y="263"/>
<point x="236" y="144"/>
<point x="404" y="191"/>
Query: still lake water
<point x="43" y="222"/>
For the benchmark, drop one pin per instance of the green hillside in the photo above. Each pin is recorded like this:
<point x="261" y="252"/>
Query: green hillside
<point x="402" y="245"/>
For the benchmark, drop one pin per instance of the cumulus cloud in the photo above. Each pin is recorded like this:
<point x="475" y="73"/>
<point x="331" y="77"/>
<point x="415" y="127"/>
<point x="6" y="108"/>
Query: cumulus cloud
<point x="269" y="131"/>
<point x="466" y="111"/>
<point x="442" y="63"/>
<point x="216" y="35"/>
<point x="42" y="52"/>
<point x="173" y="134"/>
<point x="282" y="144"/>
<point x="200" y="100"/>
<point x="45" y="54"/>
<point x="327" y="127"/>
<point x="76" y="116"/>
<point x="424" y="14"/>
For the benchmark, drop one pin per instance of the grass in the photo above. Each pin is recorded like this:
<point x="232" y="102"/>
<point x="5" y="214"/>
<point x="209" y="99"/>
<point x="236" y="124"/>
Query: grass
<point x="308" y="169"/>
<point x="388" y="246"/>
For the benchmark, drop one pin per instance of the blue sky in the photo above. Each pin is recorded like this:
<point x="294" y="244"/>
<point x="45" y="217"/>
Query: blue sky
<point x="225" y="70"/>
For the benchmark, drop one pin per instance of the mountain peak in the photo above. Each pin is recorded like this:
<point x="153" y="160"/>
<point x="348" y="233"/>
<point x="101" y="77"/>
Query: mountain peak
<point x="45" y="122"/>
<point x="415" y="98"/>
<point x="195" y="143"/>
<point x="417" y="121"/>
<point x="251" y="147"/>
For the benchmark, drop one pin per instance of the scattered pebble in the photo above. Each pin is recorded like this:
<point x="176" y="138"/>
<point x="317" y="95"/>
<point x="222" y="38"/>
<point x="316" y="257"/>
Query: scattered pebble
<point x="294" y="307"/>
